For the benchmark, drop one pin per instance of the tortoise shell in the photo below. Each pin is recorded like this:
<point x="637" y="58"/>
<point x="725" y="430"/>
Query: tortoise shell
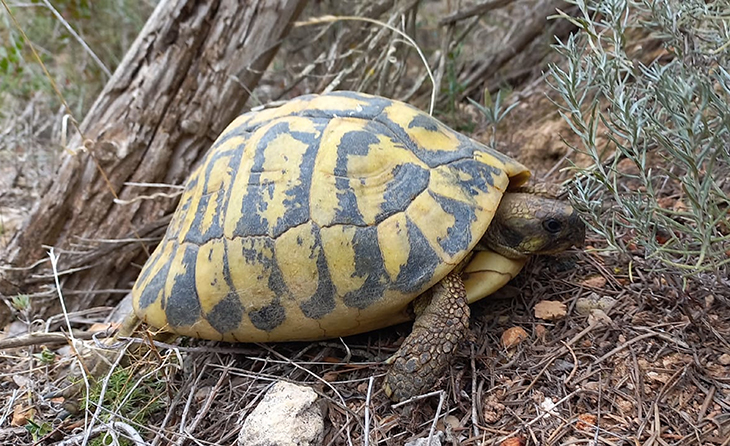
<point x="323" y="217"/>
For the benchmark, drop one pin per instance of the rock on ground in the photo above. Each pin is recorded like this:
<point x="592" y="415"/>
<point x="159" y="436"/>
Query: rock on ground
<point x="435" y="440"/>
<point x="288" y="415"/>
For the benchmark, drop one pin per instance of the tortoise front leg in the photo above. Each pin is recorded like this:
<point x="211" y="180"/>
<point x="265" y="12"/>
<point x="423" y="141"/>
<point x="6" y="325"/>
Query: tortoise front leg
<point x="442" y="319"/>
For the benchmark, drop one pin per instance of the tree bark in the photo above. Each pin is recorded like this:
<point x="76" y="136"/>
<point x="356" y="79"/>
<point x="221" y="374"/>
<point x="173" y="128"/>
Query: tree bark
<point x="188" y="74"/>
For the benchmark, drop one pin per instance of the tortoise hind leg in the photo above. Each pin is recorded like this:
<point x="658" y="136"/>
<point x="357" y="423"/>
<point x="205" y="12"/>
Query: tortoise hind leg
<point x="442" y="319"/>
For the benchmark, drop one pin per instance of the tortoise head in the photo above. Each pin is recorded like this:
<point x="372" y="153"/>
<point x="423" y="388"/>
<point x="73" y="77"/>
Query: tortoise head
<point x="528" y="223"/>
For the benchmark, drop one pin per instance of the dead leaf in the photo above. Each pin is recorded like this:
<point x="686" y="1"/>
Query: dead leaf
<point x="104" y="326"/>
<point x="679" y="206"/>
<point x="626" y="406"/>
<point x="596" y="281"/>
<point x="21" y="415"/>
<point x="202" y="394"/>
<point x="514" y="441"/>
<point x="513" y="337"/>
<point x="674" y="361"/>
<point x="659" y="377"/>
<point x="389" y="423"/>
<point x="666" y="202"/>
<point x="540" y="331"/>
<point x="550" y="310"/>
<point x="586" y="422"/>
<point x="451" y="421"/>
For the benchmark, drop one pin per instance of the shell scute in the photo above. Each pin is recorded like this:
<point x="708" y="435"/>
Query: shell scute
<point x="322" y="217"/>
<point x="182" y="303"/>
<point x="429" y="140"/>
<point x="423" y="262"/>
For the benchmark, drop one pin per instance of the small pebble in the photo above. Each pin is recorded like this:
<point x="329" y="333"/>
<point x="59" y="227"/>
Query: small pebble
<point x="585" y="305"/>
<point x="435" y="440"/>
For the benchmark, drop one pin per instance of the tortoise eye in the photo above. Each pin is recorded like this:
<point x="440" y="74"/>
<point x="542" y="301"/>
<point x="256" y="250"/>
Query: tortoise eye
<point x="552" y="225"/>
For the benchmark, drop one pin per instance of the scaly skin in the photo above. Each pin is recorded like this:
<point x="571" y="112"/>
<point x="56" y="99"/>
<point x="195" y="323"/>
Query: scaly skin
<point x="442" y="319"/>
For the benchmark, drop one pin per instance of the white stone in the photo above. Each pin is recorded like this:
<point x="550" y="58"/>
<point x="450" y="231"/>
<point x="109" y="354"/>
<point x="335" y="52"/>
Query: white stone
<point x="435" y="440"/>
<point x="585" y="305"/>
<point x="288" y="415"/>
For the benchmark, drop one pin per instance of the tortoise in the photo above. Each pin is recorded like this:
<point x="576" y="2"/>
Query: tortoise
<point x="342" y="213"/>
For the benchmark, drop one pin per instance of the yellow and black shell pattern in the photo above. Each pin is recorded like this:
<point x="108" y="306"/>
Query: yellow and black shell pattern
<point x="323" y="217"/>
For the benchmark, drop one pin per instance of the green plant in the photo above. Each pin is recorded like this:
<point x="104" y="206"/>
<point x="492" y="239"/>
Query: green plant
<point x="452" y="88"/>
<point x="38" y="431"/>
<point x="10" y="57"/>
<point x="46" y="356"/>
<point x="21" y="302"/>
<point x="657" y="132"/>
<point x="493" y="111"/>
<point x="135" y="400"/>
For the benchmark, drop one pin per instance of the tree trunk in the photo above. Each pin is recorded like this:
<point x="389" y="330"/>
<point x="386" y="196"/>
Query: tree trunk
<point x="188" y="74"/>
